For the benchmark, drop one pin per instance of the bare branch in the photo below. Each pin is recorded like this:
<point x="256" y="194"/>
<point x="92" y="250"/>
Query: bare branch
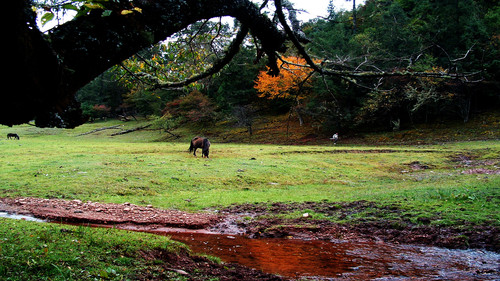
<point x="264" y="4"/>
<point x="292" y="17"/>
<point x="291" y="63"/>
<point x="361" y="64"/>
<point x="146" y="62"/>
<point x="466" y="54"/>
<point x="137" y="76"/>
<point x="212" y="42"/>
<point x="293" y="38"/>
<point x="373" y="74"/>
<point x="329" y="90"/>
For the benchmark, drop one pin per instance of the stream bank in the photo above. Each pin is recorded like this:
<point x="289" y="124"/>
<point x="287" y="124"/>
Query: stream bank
<point x="292" y="248"/>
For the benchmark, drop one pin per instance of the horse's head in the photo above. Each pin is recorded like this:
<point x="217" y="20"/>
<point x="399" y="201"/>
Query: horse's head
<point x="206" y="147"/>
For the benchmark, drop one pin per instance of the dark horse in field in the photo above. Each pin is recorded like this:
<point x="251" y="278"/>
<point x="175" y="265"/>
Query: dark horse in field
<point x="12" y="136"/>
<point x="199" y="142"/>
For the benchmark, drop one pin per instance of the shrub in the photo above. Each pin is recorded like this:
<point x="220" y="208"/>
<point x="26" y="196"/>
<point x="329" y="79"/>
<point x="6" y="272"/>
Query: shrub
<point x="194" y="107"/>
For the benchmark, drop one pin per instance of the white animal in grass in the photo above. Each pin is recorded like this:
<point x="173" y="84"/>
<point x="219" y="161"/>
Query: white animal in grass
<point x="335" y="138"/>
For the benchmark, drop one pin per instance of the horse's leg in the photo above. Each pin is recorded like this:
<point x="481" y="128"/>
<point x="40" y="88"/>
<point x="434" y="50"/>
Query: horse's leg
<point x="195" y="151"/>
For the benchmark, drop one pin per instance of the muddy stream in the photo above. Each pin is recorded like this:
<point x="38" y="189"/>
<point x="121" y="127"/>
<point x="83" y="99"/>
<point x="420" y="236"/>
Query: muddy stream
<point x="330" y="260"/>
<point x="343" y="259"/>
<point x="318" y="259"/>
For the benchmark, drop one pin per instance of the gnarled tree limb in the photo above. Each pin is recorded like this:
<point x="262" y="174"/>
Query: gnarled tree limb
<point x="54" y="66"/>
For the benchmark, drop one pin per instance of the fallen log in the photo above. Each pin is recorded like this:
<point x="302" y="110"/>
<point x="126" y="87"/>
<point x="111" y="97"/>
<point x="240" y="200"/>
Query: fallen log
<point x="131" y="130"/>
<point x="100" y="129"/>
<point x="172" y="134"/>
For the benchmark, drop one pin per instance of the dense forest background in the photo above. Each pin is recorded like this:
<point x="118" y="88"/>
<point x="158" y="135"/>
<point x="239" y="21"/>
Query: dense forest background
<point x="447" y="36"/>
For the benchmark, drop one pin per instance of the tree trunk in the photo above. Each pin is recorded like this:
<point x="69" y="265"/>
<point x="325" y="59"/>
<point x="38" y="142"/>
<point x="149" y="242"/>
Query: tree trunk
<point x="354" y="23"/>
<point x="50" y="68"/>
<point x="301" y="120"/>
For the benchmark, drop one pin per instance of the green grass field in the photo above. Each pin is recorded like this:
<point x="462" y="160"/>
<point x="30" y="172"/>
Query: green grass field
<point x="458" y="182"/>
<point x="56" y="163"/>
<point x="35" y="251"/>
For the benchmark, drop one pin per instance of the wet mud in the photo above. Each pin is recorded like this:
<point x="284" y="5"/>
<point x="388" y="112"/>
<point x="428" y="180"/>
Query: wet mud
<point x="262" y="220"/>
<point x="473" y="164"/>
<point x="255" y="242"/>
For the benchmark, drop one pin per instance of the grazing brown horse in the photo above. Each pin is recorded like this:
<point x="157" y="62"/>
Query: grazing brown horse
<point x="12" y="136"/>
<point x="199" y="142"/>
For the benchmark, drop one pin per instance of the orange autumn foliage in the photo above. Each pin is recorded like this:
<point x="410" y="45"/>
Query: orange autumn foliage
<point x="288" y="83"/>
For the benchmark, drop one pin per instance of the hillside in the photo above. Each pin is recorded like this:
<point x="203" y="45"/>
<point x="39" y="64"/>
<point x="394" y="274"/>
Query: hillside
<point x="284" y="130"/>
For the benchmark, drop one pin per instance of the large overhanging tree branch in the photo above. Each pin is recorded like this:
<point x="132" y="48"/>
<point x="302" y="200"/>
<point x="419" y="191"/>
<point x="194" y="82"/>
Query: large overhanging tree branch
<point x="51" y="68"/>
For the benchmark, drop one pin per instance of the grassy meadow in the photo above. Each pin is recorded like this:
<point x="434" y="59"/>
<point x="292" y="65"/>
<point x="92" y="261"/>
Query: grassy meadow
<point x="141" y="168"/>
<point x="35" y="251"/>
<point x="137" y="168"/>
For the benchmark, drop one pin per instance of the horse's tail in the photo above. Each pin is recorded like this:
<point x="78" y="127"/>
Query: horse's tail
<point x="206" y="147"/>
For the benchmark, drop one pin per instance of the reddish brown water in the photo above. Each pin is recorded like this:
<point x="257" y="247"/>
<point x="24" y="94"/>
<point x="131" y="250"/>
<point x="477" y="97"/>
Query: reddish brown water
<point x="342" y="259"/>
<point x="285" y="257"/>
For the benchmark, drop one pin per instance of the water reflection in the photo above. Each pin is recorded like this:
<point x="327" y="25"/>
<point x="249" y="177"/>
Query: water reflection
<point x="19" y="217"/>
<point x="285" y="257"/>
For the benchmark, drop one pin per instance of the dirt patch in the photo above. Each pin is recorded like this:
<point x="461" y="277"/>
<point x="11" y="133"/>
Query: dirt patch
<point x="417" y="166"/>
<point x="462" y="160"/>
<point x="482" y="171"/>
<point x="100" y="213"/>
<point x="475" y="166"/>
